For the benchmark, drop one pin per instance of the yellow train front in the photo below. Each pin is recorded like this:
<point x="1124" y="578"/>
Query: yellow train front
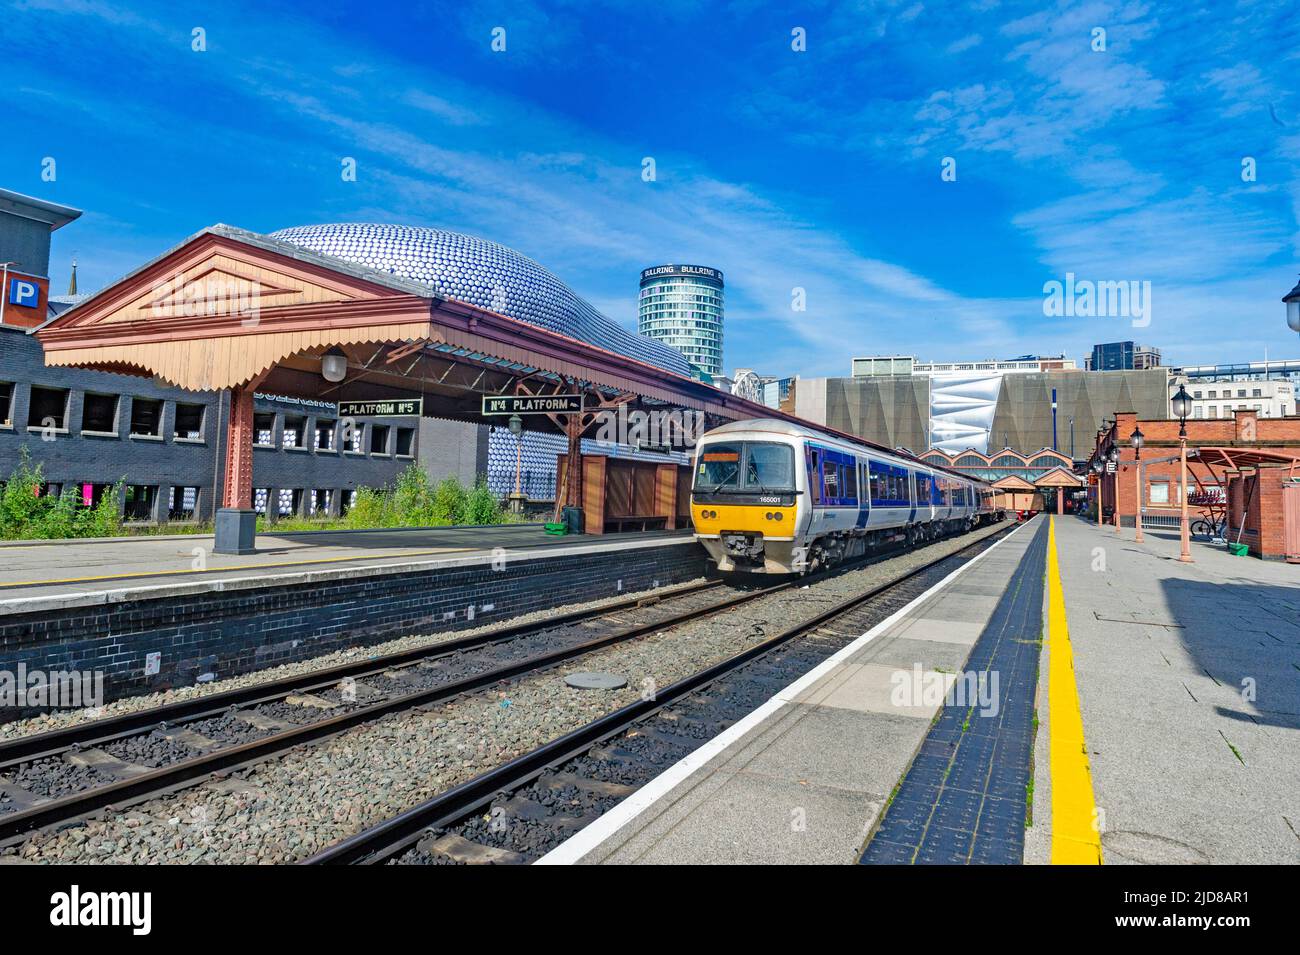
<point x="775" y="497"/>
<point x="747" y="500"/>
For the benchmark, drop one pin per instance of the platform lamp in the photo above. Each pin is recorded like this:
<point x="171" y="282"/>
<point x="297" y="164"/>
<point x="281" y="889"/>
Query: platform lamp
<point x="1113" y="457"/>
<point x="1181" y="405"/>
<point x="516" y="425"/>
<point x="334" y="366"/>
<point x="1292" y="301"/>
<point x="1138" y="439"/>
<point x="1098" y="468"/>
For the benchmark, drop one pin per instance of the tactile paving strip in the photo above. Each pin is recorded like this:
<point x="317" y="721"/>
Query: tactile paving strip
<point x="963" y="800"/>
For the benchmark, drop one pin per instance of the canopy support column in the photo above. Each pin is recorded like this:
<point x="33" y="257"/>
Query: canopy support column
<point x="573" y="489"/>
<point x="236" y="525"/>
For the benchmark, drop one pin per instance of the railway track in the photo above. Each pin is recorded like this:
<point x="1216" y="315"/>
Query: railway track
<point x="58" y="778"/>
<point x="520" y="810"/>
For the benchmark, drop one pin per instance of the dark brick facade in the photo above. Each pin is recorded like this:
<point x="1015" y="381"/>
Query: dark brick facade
<point x="73" y="457"/>
<point x="248" y="627"/>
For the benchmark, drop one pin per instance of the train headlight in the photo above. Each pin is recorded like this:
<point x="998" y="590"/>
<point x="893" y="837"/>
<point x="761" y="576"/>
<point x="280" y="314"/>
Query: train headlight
<point x="780" y="516"/>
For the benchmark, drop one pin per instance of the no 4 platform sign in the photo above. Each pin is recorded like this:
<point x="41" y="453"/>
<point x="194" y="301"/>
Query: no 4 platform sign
<point x="532" y="404"/>
<point x="395" y="408"/>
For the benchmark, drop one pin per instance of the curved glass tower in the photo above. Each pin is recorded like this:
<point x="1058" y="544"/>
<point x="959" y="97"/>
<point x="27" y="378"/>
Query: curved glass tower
<point x="681" y="306"/>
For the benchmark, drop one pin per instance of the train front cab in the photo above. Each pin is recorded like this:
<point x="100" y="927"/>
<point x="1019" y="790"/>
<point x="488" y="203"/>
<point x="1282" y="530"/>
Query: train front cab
<point x="748" y="503"/>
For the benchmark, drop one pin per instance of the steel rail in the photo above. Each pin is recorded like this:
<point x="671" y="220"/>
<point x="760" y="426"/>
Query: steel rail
<point x="16" y="826"/>
<point x="396" y="835"/>
<point x="94" y="732"/>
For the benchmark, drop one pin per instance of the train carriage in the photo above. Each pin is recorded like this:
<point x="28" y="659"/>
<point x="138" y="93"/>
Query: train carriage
<point x="771" y="496"/>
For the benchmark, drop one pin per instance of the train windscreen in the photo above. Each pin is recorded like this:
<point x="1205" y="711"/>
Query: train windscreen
<point x="745" y="465"/>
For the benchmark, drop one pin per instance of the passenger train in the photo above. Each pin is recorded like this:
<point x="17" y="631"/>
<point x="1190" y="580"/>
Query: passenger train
<point x="771" y="496"/>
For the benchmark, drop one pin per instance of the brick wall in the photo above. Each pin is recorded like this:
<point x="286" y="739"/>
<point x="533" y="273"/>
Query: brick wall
<point x="1244" y="430"/>
<point x="230" y="631"/>
<point x="71" y="458"/>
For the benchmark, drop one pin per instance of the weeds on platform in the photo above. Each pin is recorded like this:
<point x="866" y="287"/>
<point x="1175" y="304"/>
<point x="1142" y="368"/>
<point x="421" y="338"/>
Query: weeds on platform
<point x="29" y="512"/>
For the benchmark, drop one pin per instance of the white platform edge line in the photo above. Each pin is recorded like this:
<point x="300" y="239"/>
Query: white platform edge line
<point x="572" y="850"/>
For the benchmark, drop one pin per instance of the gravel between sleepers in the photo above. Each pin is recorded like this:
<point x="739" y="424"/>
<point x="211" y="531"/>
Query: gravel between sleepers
<point x="293" y="806"/>
<point x="63" y="718"/>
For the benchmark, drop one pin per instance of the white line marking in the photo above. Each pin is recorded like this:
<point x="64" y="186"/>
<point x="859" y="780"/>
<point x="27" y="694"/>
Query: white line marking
<point x="573" y="849"/>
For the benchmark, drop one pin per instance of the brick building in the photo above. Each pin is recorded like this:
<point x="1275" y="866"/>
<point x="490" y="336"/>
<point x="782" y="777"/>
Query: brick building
<point x="1238" y="468"/>
<point x="90" y="430"/>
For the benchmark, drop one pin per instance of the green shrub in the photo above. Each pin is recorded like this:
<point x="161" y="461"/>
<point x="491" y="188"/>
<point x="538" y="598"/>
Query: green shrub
<point x="482" y="506"/>
<point x="26" y="514"/>
<point x="450" y="502"/>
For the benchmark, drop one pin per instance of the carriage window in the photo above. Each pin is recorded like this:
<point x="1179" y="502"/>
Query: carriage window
<point x="814" y="480"/>
<point x="851" y="481"/>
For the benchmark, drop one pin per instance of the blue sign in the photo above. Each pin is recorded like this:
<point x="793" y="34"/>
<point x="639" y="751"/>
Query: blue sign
<point x="24" y="293"/>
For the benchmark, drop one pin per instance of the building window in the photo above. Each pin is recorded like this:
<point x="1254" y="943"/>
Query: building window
<point x="99" y="414"/>
<point x="146" y="417"/>
<point x="264" y="430"/>
<point x="48" y="408"/>
<point x="325" y="434"/>
<point x="319" y="502"/>
<point x="6" y="402"/>
<point x="1198" y="412"/>
<point x="379" y="439"/>
<point x="347" y="500"/>
<point x="92" y="494"/>
<point x="1214" y="394"/>
<point x="405" y="442"/>
<point x="1197" y="394"/>
<point x="1256" y="393"/>
<point x="354" y="433"/>
<point x="1158" y="492"/>
<point x="290" y="498"/>
<point x="260" y="495"/>
<point x="184" y="501"/>
<point x="139" y="502"/>
<point x="189" y="422"/>
<point x="295" y="427"/>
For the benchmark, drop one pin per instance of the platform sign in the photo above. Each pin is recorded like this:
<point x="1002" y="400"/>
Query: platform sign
<point x="391" y="408"/>
<point x="532" y="404"/>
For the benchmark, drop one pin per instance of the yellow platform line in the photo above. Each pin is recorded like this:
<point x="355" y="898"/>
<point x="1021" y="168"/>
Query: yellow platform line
<point x="1076" y="837"/>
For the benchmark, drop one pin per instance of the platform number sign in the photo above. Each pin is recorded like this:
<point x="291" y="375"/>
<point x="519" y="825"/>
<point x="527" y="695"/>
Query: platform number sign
<point x="24" y="293"/>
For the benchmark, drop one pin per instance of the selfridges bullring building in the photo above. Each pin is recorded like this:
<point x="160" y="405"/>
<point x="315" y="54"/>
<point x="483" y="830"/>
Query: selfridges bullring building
<point x="489" y="275"/>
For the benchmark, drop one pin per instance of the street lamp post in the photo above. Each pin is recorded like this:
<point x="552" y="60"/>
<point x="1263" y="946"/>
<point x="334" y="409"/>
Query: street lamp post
<point x="1113" y="457"/>
<point x="1137" y="438"/>
<point x="516" y="425"/>
<point x="1098" y="468"/>
<point x="1181" y="404"/>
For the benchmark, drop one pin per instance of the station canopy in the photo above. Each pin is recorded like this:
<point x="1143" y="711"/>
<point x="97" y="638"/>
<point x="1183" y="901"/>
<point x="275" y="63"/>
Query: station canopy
<point x="234" y="309"/>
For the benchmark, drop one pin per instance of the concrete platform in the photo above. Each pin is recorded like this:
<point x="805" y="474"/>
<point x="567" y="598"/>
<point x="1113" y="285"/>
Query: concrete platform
<point x="805" y="778"/>
<point x="52" y="570"/>
<point x="1188" y="681"/>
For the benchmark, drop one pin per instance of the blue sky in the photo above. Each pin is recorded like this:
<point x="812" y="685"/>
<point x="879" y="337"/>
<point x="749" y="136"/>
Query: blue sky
<point x="819" y="169"/>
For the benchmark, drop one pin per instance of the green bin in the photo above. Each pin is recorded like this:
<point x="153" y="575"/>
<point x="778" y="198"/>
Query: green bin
<point x="1238" y="550"/>
<point x="557" y="528"/>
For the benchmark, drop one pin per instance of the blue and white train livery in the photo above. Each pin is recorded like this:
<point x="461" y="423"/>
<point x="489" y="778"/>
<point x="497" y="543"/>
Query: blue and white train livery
<point x="770" y="496"/>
